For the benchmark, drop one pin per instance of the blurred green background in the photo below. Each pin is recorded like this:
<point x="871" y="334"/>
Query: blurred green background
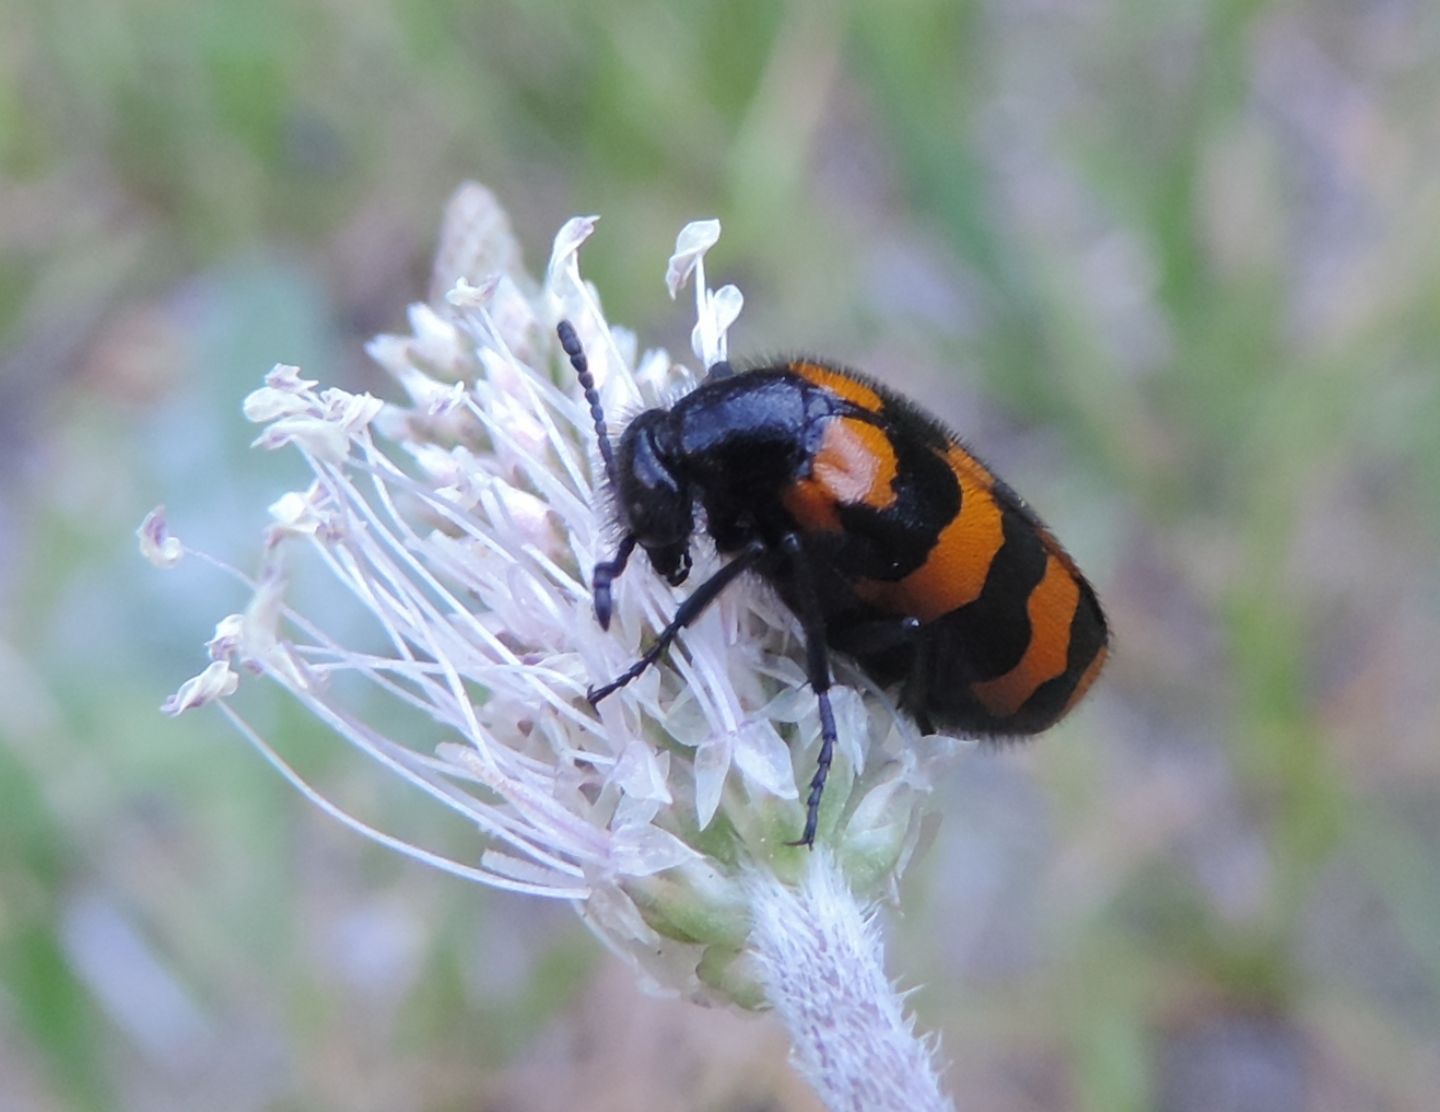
<point x="1173" y="268"/>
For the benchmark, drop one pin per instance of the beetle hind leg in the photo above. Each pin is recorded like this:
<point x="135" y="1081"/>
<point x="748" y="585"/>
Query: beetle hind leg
<point x="883" y="637"/>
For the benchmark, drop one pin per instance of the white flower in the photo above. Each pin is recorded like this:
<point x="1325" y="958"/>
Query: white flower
<point x="465" y="523"/>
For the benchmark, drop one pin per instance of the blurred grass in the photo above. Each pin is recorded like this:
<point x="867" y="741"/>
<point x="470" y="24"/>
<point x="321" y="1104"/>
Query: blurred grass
<point x="1169" y="266"/>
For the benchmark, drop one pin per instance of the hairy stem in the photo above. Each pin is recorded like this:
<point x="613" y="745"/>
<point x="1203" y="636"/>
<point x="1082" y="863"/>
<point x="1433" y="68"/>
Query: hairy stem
<point x="821" y="961"/>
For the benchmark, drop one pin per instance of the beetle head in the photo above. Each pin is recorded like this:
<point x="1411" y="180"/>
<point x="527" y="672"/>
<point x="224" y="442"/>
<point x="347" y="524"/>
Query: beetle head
<point x="655" y="501"/>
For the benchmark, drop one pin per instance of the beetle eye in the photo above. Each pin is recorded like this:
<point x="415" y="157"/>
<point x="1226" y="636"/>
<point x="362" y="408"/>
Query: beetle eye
<point x="661" y="519"/>
<point x="656" y="498"/>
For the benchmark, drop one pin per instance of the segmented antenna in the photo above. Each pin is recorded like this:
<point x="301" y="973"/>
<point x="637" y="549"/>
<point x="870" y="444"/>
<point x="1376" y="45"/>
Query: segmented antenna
<point x="571" y="343"/>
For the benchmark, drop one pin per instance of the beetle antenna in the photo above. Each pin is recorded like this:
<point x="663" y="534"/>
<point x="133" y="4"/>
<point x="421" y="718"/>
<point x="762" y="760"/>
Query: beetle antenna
<point x="576" y="353"/>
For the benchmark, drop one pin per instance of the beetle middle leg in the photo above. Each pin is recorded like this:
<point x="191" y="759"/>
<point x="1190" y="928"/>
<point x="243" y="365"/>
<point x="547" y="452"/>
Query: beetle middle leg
<point x="817" y="672"/>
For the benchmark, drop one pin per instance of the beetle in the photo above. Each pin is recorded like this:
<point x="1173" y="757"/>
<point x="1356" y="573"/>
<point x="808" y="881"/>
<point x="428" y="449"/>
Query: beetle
<point x="891" y="542"/>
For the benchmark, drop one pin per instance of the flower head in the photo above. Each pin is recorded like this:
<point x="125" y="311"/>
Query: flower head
<point x="464" y="523"/>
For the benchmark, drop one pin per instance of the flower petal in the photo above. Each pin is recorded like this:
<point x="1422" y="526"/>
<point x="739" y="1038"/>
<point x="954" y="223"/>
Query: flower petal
<point x="694" y="240"/>
<point x="217" y="682"/>
<point x="156" y="543"/>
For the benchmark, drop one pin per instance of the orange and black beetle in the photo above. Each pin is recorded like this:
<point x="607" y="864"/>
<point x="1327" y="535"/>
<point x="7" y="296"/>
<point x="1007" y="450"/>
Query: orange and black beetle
<point x="890" y="541"/>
